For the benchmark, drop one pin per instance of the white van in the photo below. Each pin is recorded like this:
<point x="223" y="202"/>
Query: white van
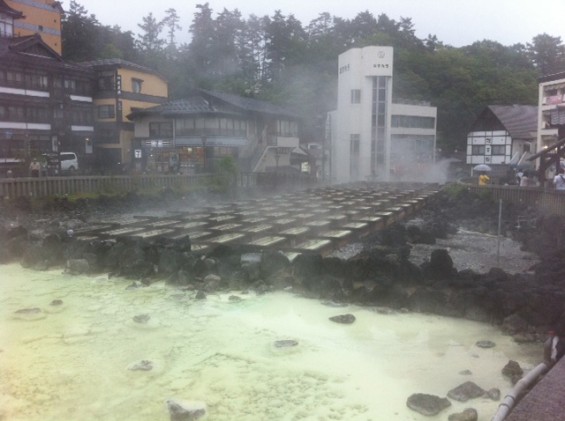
<point x="69" y="162"/>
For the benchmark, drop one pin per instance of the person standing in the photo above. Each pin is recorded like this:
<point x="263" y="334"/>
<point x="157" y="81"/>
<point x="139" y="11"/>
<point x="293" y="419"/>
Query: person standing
<point x="553" y="347"/>
<point x="35" y="167"/>
<point x="559" y="180"/>
<point x="483" y="179"/>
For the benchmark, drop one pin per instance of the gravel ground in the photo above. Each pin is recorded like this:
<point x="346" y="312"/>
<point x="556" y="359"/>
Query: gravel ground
<point x="478" y="252"/>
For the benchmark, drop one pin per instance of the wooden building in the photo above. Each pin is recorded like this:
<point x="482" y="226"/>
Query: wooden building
<point x="45" y="103"/>
<point x="120" y="87"/>
<point x="198" y="131"/>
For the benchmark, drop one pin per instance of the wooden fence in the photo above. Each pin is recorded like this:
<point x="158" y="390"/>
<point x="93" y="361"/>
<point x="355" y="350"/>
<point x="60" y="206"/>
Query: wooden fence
<point x="549" y="201"/>
<point x="61" y="186"/>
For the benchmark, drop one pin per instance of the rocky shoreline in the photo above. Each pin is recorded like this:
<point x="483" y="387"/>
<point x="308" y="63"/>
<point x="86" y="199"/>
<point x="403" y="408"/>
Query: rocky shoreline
<point x="524" y="304"/>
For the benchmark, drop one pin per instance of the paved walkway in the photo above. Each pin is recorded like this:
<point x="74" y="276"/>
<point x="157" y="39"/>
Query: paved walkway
<point x="546" y="401"/>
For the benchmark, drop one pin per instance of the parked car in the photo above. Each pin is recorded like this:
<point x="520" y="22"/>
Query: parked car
<point x="68" y="162"/>
<point x="59" y="163"/>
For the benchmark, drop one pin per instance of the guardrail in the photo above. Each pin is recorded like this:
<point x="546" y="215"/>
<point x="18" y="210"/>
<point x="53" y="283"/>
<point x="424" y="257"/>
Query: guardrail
<point x="546" y="201"/>
<point x="60" y="186"/>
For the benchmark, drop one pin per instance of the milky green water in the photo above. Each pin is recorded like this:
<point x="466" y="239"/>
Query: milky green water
<point x="70" y="362"/>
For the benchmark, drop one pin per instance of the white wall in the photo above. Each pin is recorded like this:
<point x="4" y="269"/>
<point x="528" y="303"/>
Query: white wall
<point x="356" y="69"/>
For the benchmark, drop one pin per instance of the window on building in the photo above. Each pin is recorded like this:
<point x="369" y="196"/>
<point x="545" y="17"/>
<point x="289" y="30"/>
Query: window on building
<point x="478" y="150"/>
<point x="106" y="111"/>
<point x="161" y="129"/>
<point x="37" y="115"/>
<point x="15" y="113"/>
<point x="354" y="141"/>
<point x="287" y="128"/>
<point x="136" y="85"/>
<point x="14" y="77"/>
<point x="3" y="112"/>
<point x="70" y="85"/>
<point x="6" y="26"/>
<point x="37" y="81"/>
<point x="106" y="82"/>
<point x="414" y="122"/>
<point x="498" y="150"/>
<point x="81" y="117"/>
<point x="356" y="96"/>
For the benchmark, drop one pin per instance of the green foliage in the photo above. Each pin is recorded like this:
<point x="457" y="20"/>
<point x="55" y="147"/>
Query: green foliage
<point x="277" y="58"/>
<point x="225" y="175"/>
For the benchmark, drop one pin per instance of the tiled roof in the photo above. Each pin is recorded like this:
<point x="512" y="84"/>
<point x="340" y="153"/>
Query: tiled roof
<point x="4" y="8"/>
<point x="251" y="104"/>
<point x="196" y="104"/>
<point x="208" y="102"/>
<point x="521" y="121"/>
<point x="118" y="62"/>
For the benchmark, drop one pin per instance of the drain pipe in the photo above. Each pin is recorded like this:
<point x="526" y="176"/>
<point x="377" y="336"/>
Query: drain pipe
<point x="510" y="399"/>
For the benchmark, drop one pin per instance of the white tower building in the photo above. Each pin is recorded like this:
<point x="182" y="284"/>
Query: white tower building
<point x="361" y="124"/>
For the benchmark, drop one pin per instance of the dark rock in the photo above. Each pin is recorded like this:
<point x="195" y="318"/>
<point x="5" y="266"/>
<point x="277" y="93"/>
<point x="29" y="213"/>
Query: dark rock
<point x="272" y="263"/>
<point x="141" y="318"/>
<point x="31" y="310"/>
<point x="343" y="319"/>
<point x="428" y="405"/>
<point x="513" y="371"/>
<point x="143" y="365"/>
<point x="468" y="414"/>
<point x="213" y="282"/>
<point x="134" y="285"/>
<point x="185" y="411"/>
<point x="57" y="302"/>
<point x="466" y="372"/>
<point x="466" y="391"/>
<point x="485" y="344"/>
<point x="440" y="265"/>
<point x="514" y="324"/>
<point x="77" y="266"/>
<point x="493" y="394"/>
<point x="286" y="343"/>
<point x="234" y="299"/>
<point x="200" y="295"/>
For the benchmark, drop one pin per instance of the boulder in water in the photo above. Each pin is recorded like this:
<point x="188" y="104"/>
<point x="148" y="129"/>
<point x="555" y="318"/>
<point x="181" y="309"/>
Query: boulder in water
<point x="428" y="405"/>
<point x="186" y="411"/>
<point x="345" y="319"/>
<point x="485" y="344"/>
<point x="469" y="414"/>
<point x="466" y="391"/>
<point x="286" y="343"/>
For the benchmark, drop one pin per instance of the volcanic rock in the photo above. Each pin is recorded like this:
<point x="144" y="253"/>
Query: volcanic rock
<point x="466" y="391"/>
<point x="346" y="319"/>
<point x="469" y="414"/>
<point x="428" y="405"/>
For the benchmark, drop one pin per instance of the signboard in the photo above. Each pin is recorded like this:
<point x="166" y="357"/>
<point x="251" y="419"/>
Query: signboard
<point x="137" y="153"/>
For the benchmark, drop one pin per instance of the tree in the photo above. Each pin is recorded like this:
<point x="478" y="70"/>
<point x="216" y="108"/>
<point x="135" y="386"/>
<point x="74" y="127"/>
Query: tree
<point x="171" y="22"/>
<point x="150" y="41"/>
<point x="79" y="33"/>
<point x="547" y="53"/>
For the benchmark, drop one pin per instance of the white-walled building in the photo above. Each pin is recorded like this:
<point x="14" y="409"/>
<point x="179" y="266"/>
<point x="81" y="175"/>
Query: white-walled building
<point x="367" y="132"/>
<point x="551" y="110"/>
<point x="503" y="134"/>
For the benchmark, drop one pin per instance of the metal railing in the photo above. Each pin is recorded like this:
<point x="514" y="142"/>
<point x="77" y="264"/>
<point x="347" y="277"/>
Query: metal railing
<point x="548" y="201"/>
<point x="11" y="188"/>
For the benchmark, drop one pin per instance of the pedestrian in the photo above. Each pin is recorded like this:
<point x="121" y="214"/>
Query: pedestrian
<point x="35" y="167"/>
<point x="553" y="347"/>
<point x="525" y="179"/>
<point x="483" y="179"/>
<point x="559" y="180"/>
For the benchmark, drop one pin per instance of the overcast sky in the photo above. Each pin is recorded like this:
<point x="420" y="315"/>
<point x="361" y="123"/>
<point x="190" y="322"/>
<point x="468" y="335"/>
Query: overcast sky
<point x="454" y="22"/>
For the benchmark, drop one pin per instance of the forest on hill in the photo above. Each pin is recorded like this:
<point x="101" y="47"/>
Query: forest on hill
<point x="279" y="59"/>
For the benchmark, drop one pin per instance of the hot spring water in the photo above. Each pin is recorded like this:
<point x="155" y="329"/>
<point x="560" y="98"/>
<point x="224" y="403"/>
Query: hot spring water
<point x="111" y="353"/>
